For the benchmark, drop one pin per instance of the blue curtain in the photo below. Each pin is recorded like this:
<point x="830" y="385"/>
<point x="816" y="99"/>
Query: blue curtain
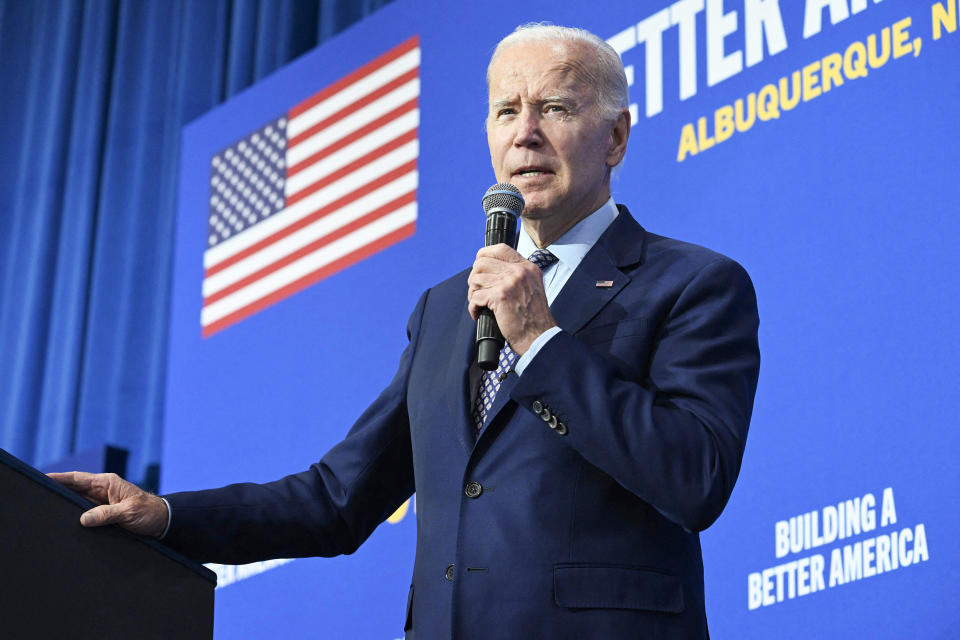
<point x="93" y="96"/>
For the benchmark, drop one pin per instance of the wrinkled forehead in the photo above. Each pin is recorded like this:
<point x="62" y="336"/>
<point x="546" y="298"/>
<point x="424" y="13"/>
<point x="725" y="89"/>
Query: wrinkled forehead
<point x="541" y="67"/>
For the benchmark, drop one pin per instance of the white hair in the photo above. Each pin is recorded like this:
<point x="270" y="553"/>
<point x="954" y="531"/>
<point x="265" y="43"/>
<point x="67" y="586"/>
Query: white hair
<point x="606" y="74"/>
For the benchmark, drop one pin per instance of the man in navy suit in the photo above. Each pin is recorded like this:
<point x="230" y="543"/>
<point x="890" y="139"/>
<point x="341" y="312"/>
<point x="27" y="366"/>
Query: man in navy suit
<point x="560" y="496"/>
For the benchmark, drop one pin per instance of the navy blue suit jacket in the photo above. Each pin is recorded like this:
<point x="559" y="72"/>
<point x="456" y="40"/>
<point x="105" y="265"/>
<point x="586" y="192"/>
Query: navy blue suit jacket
<point x="584" y="532"/>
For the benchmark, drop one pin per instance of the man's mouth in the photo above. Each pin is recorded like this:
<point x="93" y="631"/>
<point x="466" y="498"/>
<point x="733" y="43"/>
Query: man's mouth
<point x="527" y="172"/>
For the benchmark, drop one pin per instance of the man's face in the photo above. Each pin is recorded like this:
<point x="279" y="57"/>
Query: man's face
<point x="545" y="132"/>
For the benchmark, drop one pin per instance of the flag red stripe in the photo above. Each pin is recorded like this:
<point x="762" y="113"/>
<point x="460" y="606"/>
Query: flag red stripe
<point x="330" y="178"/>
<point x="334" y="235"/>
<point x="410" y="105"/>
<point x="328" y="270"/>
<point x="353" y="107"/>
<point x="352" y="77"/>
<point x="356" y="194"/>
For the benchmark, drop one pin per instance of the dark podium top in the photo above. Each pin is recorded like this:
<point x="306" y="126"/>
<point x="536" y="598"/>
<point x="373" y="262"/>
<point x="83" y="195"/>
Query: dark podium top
<point x="60" y="580"/>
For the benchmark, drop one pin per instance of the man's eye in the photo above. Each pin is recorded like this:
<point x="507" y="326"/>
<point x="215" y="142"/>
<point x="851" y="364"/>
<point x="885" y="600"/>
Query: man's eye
<point x="505" y="112"/>
<point x="555" y="108"/>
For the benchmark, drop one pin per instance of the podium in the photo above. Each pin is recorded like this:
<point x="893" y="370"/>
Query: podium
<point x="61" y="580"/>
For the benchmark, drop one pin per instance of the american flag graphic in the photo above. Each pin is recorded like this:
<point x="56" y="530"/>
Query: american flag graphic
<point x="313" y="191"/>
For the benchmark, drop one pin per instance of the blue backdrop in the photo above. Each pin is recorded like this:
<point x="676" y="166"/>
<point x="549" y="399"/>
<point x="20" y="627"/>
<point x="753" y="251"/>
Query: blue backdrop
<point x="814" y="142"/>
<point x="840" y="204"/>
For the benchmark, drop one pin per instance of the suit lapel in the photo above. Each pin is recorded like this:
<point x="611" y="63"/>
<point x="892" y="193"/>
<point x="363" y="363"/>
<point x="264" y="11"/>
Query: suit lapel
<point x="621" y="245"/>
<point x="463" y="357"/>
<point x="581" y="299"/>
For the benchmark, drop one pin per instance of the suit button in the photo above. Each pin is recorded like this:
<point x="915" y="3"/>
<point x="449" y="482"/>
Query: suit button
<point x="546" y="415"/>
<point x="552" y="422"/>
<point x="537" y="407"/>
<point x="561" y="428"/>
<point x="448" y="574"/>
<point x="473" y="489"/>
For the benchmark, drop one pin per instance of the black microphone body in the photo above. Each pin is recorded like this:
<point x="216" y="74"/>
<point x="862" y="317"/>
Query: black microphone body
<point x="503" y="204"/>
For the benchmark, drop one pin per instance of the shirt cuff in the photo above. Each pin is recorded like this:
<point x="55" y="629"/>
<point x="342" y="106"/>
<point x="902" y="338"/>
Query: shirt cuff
<point x="535" y="347"/>
<point x="169" y="518"/>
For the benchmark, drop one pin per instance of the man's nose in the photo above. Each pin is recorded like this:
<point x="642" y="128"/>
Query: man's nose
<point x="528" y="131"/>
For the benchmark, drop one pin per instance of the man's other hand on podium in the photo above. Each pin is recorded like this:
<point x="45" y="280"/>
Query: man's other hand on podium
<point x="121" y="502"/>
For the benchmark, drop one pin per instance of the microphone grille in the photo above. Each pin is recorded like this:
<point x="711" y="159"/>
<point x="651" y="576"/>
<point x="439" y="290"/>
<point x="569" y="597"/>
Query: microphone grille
<point x="503" y="195"/>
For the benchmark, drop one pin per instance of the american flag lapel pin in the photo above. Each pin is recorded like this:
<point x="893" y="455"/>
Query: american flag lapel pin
<point x="604" y="284"/>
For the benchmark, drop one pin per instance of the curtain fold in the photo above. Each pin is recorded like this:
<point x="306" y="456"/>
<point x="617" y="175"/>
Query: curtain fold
<point x="93" y="96"/>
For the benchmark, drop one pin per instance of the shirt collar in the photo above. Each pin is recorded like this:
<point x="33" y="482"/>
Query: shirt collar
<point x="571" y="247"/>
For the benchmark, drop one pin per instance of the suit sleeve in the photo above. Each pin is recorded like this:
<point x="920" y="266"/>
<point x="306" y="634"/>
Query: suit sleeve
<point x="327" y="510"/>
<point x="676" y="438"/>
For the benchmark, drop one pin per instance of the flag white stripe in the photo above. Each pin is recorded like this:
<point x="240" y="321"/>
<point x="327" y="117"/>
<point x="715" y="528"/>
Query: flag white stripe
<point x="308" y="264"/>
<point x="351" y="93"/>
<point x="347" y="184"/>
<point x="353" y="151"/>
<point x="322" y="227"/>
<point x="342" y="128"/>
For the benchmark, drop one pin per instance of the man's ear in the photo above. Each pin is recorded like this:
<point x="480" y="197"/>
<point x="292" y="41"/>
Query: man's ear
<point x="618" y="138"/>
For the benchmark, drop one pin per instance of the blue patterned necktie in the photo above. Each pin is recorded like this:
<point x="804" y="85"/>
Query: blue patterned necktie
<point x="490" y="382"/>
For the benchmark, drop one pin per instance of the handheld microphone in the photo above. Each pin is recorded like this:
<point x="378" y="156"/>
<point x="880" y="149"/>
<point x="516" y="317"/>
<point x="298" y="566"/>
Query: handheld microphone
<point x="503" y="204"/>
